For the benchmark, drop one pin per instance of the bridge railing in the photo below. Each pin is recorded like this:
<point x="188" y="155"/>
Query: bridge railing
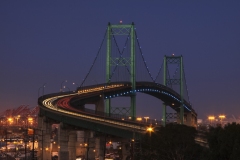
<point x="167" y="89"/>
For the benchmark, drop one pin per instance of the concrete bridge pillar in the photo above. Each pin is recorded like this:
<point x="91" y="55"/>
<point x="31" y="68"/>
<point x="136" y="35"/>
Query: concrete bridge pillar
<point x="44" y="133"/>
<point x="191" y="119"/>
<point x="80" y="143"/>
<point x="99" y="105"/>
<point x="72" y="144"/>
<point x="90" y="148"/>
<point x="85" y="145"/>
<point x="63" y="153"/>
<point x="100" y="147"/>
<point x="125" y="149"/>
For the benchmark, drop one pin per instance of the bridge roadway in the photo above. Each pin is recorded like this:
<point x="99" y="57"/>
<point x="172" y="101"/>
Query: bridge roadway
<point x="68" y="107"/>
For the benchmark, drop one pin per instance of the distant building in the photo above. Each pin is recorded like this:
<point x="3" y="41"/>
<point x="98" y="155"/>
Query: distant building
<point x="199" y="121"/>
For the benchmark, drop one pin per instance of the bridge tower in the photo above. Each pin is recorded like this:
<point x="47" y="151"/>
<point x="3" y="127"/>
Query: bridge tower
<point x="119" y="30"/>
<point x="173" y="81"/>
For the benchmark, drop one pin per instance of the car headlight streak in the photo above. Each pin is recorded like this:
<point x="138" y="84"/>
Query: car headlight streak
<point x="49" y="104"/>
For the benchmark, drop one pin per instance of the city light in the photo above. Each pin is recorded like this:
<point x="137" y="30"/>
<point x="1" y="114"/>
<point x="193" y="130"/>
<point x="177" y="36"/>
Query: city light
<point x="10" y="120"/>
<point x="222" y="116"/>
<point x="211" y="118"/>
<point x="146" y="118"/>
<point x="150" y="129"/>
<point x="139" y="119"/>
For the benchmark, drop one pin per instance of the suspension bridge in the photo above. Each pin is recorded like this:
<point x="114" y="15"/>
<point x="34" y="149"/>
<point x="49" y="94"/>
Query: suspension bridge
<point x="118" y="70"/>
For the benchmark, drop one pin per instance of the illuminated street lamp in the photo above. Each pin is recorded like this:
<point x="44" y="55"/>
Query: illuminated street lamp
<point x="61" y="89"/>
<point x="211" y="118"/>
<point x="139" y="119"/>
<point x="42" y="87"/>
<point x="221" y="117"/>
<point x="150" y="130"/>
<point x="10" y="120"/>
<point x="17" y="118"/>
<point x="30" y="120"/>
<point x="75" y="84"/>
<point x="66" y="87"/>
<point x="146" y="118"/>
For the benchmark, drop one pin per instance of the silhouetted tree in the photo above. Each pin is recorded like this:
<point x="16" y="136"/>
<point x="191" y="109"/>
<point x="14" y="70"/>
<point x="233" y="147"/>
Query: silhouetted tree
<point x="173" y="142"/>
<point x="224" y="143"/>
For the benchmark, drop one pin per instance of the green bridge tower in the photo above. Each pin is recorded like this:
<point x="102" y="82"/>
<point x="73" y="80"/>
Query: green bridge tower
<point x="119" y="30"/>
<point x="174" y="81"/>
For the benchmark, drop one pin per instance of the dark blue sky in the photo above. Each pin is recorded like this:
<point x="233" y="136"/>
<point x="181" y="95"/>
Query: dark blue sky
<point x="50" y="41"/>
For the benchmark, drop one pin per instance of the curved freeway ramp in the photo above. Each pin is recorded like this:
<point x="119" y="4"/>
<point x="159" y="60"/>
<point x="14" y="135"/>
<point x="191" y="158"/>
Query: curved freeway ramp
<point x="68" y="107"/>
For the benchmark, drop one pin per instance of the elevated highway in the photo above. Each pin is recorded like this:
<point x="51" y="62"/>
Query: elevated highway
<point x="68" y="107"/>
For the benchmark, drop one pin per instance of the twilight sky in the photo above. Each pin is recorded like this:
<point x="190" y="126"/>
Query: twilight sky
<point x="52" y="41"/>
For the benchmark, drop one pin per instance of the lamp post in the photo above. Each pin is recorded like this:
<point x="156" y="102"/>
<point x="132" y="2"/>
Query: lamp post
<point x="61" y="89"/>
<point x="75" y="84"/>
<point x="18" y="117"/>
<point x="66" y="87"/>
<point x="146" y="118"/>
<point x="42" y="87"/>
<point x="150" y="130"/>
<point x="211" y="118"/>
<point x="221" y="118"/>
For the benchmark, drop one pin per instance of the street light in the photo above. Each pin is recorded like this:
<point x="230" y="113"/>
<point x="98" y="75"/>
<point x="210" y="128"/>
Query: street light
<point x="62" y="85"/>
<point x="29" y="121"/>
<point x="211" y="118"/>
<point x="139" y="118"/>
<point x="221" y="118"/>
<point x="10" y="120"/>
<point x="18" y="117"/>
<point x="75" y="84"/>
<point x="42" y="87"/>
<point x="66" y="87"/>
<point x="150" y="130"/>
<point x="146" y="118"/>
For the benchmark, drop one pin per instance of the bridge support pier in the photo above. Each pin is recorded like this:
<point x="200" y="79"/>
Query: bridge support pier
<point x="100" y="147"/>
<point x="191" y="119"/>
<point x="44" y="138"/>
<point x="80" y="142"/>
<point x="125" y="149"/>
<point x="72" y="144"/>
<point x="63" y="153"/>
<point x="99" y="105"/>
<point x="90" y="145"/>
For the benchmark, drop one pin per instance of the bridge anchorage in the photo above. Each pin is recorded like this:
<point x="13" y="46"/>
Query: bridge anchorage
<point x="122" y="73"/>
